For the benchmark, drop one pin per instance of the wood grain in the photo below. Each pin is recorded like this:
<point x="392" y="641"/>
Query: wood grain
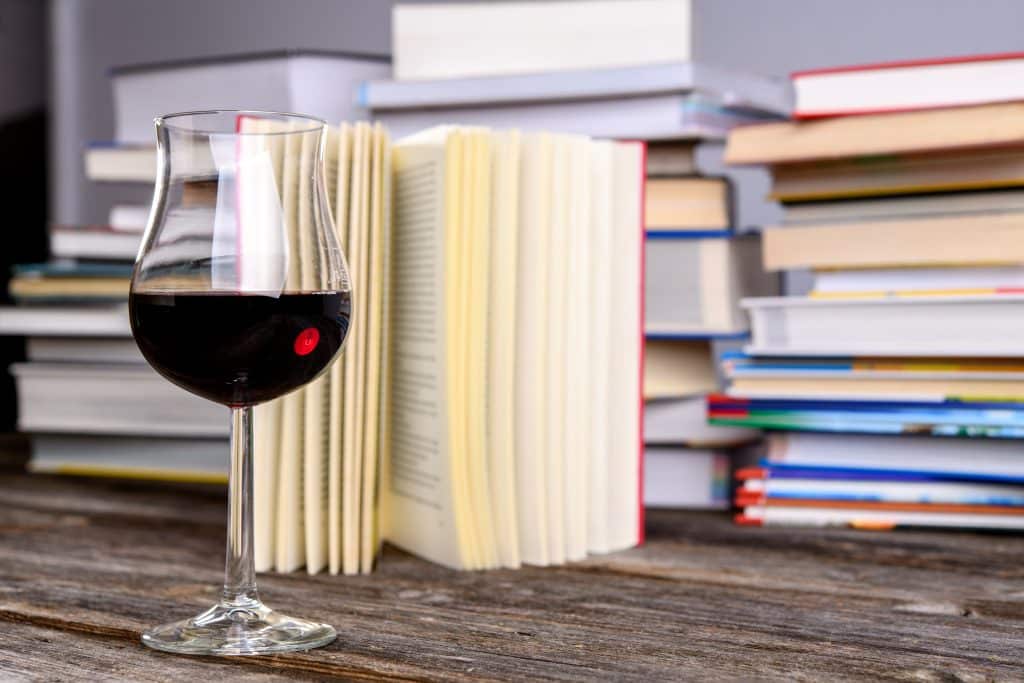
<point x="85" y="566"/>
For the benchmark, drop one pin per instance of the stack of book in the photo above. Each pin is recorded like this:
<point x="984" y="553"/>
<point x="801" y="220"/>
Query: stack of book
<point x="903" y="187"/>
<point x="626" y="71"/>
<point x="698" y="268"/>
<point x="85" y="394"/>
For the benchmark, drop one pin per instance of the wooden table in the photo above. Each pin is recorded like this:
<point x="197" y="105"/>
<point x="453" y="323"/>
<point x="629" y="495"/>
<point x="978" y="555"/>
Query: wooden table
<point x="86" y="565"/>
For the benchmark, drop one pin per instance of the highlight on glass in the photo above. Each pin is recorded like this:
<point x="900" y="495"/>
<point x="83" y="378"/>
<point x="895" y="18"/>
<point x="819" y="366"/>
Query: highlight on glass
<point x="240" y="294"/>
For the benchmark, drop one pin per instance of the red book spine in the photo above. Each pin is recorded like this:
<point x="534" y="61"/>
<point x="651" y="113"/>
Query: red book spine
<point x="643" y="265"/>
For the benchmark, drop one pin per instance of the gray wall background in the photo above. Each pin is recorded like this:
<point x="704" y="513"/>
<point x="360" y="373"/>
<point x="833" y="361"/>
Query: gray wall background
<point x="773" y="37"/>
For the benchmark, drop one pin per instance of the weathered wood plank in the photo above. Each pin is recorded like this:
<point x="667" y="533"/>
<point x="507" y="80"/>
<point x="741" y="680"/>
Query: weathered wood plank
<point x="703" y="600"/>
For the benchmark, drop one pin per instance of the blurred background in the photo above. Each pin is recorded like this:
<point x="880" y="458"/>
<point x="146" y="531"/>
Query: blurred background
<point x="57" y="57"/>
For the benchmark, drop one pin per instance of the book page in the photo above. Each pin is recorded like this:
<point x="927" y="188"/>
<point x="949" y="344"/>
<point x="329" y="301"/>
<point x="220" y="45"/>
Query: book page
<point x="335" y="412"/>
<point x="624" y="390"/>
<point x="315" y="434"/>
<point x="531" y="406"/>
<point x="501" y="346"/>
<point x="266" y="420"/>
<point x="600" y="290"/>
<point x="417" y="494"/>
<point x="374" y="321"/>
<point x="557" y="286"/>
<point x="377" y="521"/>
<point x="477" y="173"/>
<point x="289" y="542"/>
<point x="351" y="474"/>
<point x="458" y="209"/>
<point x="577" y="367"/>
<point x="266" y="446"/>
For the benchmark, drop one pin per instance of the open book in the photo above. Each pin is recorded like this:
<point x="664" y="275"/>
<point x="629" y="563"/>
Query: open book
<point x="486" y="411"/>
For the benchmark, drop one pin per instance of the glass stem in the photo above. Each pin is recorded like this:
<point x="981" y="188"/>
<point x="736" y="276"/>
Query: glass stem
<point x="239" y="568"/>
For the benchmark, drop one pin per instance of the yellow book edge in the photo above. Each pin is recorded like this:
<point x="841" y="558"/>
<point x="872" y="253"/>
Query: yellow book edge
<point x="139" y="473"/>
<point x="894" y="190"/>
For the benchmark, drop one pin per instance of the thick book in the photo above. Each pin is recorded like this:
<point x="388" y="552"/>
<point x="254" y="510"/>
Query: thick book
<point x="271" y="81"/>
<point x="940" y="325"/>
<point x="502" y="38"/>
<point x="873" y="282"/>
<point x="654" y="116"/>
<point x="740" y="91"/>
<point x="684" y="422"/>
<point x="985" y="126"/>
<point x="189" y="460"/>
<point x="963" y="458"/>
<point x="512" y="442"/>
<point x="464" y="422"/>
<point x="110" y="399"/>
<point x="694" y="282"/>
<point x="909" y="85"/>
<point x="128" y="217"/>
<point x="929" y="205"/>
<point x="83" y="350"/>
<point x="121" y="162"/>
<point x="688" y="204"/>
<point x="691" y="478"/>
<point x="65" y="321"/>
<point x="676" y="369"/>
<point x="896" y="176"/>
<point x="982" y="239"/>
<point x="93" y="242"/>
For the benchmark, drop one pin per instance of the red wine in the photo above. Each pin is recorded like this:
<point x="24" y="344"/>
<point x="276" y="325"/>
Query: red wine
<point x="239" y="349"/>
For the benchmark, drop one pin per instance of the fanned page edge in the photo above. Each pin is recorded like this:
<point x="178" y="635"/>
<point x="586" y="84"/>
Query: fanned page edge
<point x="336" y="411"/>
<point x="501" y="350"/>
<point x="350" y="499"/>
<point x="531" y="342"/>
<point x="368" y="498"/>
<point x="289" y="543"/>
<point x="422" y="525"/>
<point x="314" y="469"/>
<point x="378" y="520"/>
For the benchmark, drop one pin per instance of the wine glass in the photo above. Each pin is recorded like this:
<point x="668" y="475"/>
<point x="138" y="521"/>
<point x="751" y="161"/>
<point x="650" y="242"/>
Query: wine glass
<point x="240" y="294"/>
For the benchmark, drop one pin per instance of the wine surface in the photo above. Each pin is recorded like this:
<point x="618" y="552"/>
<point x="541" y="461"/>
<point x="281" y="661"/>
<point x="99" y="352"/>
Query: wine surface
<point x="239" y="349"/>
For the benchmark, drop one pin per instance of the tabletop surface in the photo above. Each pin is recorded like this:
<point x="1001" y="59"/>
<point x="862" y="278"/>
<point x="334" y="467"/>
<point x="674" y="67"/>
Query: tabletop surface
<point x="86" y="565"/>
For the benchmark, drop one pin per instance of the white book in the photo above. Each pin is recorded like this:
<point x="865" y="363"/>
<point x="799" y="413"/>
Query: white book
<point x="128" y="218"/>
<point x="89" y="243"/>
<point x="500" y="38"/>
<point x="684" y="421"/>
<point x="768" y="515"/>
<point x="110" y="399"/>
<point x="694" y="285"/>
<point x="134" y="457"/>
<point x="953" y="279"/>
<point x="728" y="88"/>
<point x="686" y="478"/>
<point x="65" y="321"/>
<point x="83" y="350"/>
<point x="909" y="85"/>
<point x="656" y="116"/>
<point x="993" y="457"/>
<point x="966" y="325"/>
<point x="272" y="81"/>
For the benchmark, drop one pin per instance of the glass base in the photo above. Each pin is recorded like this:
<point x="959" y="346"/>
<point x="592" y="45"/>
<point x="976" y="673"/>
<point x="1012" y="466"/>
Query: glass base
<point x="248" y="628"/>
